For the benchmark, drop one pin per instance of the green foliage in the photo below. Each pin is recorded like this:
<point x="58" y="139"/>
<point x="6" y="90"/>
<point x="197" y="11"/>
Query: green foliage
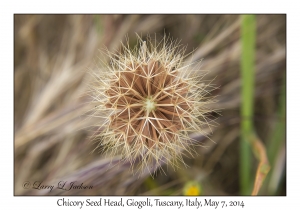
<point x="248" y="39"/>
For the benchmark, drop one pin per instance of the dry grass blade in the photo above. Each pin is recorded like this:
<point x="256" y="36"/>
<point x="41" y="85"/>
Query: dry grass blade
<point x="263" y="166"/>
<point x="205" y="49"/>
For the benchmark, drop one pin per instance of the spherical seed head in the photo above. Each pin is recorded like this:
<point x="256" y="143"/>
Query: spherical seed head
<point x="152" y="101"/>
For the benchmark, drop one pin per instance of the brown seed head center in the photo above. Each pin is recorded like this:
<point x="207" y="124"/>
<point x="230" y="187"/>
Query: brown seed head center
<point x="150" y="103"/>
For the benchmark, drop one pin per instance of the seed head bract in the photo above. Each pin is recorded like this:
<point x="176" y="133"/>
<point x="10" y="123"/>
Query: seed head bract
<point x="150" y="101"/>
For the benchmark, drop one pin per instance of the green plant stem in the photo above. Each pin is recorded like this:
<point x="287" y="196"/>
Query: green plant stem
<point x="248" y="33"/>
<point x="277" y="137"/>
<point x="279" y="129"/>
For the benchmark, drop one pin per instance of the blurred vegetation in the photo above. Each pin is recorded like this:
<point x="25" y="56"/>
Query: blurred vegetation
<point x="51" y="56"/>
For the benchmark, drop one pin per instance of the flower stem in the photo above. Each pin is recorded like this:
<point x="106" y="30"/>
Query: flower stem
<point x="248" y="34"/>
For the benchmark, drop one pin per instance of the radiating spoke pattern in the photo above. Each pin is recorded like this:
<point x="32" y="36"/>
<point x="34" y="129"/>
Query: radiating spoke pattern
<point x="152" y="102"/>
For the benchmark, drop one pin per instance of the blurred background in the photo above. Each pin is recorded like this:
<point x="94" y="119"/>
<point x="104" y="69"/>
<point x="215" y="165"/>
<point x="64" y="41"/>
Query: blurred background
<point x="52" y="134"/>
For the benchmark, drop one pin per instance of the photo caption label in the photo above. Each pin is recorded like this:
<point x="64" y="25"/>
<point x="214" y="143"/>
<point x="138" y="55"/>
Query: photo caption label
<point x="190" y="203"/>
